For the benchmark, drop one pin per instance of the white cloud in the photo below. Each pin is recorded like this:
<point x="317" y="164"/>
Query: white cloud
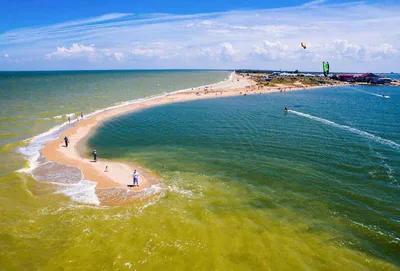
<point x="112" y="55"/>
<point x="6" y="55"/>
<point x="227" y="51"/>
<point x="313" y="3"/>
<point x="385" y="51"/>
<point x="145" y="52"/>
<point x="206" y="53"/>
<point x="344" y="50"/>
<point x="75" y="49"/>
<point x="271" y="50"/>
<point x="84" y="51"/>
<point x="353" y="36"/>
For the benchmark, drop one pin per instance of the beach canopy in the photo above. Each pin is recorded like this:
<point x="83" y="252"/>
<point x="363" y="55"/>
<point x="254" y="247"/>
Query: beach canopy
<point x="325" y="67"/>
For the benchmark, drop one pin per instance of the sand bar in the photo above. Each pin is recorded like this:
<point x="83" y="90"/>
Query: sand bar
<point x="118" y="174"/>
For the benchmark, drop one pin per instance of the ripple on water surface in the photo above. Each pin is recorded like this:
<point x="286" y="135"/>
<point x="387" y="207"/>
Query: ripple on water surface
<point x="330" y="156"/>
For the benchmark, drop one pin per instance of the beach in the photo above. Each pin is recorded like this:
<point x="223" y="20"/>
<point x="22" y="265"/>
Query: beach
<point x="117" y="174"/>
<point x="227" y="181"/>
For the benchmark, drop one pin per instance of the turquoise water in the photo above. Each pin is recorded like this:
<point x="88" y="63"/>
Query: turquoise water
<point x="245" y="185"/>
<point x="33" y="102"/>
<point x="332" y="163"/>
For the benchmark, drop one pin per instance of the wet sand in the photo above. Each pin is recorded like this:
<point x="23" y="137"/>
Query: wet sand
<point x="118" y="174"/>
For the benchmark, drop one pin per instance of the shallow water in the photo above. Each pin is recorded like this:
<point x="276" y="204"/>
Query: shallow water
<point x="33" y="102"/>
<point x="246" y="186"/>
<point x="33" y="228"/>
<point x="317" y="186"/>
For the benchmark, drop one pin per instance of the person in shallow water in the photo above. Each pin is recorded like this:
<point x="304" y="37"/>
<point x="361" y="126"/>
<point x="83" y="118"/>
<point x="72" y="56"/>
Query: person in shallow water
<point x="66" y="141"/>
<point x="286" y="110"/>
<point x="94" y="155"/>
<point x="135" y="176"/>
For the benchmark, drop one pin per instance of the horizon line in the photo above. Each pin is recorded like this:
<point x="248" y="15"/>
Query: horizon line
<point x="183" y="69"/>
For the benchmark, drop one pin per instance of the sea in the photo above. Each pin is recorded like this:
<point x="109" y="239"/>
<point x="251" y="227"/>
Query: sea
<point x="246" y="186"/>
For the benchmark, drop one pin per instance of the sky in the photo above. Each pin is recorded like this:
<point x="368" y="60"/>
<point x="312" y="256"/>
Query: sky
<point x="362" y="36"/>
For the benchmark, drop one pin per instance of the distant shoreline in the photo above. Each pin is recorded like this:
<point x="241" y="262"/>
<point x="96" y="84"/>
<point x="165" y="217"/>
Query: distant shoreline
<point x="228" y="70"/>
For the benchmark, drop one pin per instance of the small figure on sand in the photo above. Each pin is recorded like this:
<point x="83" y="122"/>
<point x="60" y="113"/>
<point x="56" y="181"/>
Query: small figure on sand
<point x="66" y="141"/>
<point x="81" y="115"/>
<point x="69" y="119"/>
<point x="94" y="155"/>
<point x="135" y="176"/>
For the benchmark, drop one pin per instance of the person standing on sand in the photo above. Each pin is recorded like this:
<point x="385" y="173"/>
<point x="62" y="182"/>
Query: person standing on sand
<point x="66" y="141"/>
<point x="69" y="119"/>
<point x="94" y="155"/>
<point x="81" y="115"/>
<point x="135" y="176"/>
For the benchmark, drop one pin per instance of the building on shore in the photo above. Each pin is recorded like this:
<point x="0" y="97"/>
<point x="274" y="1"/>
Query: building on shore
<point x="346" y="77"/>
<point x="384" y="81"/>
<point x="265" y="79"/>
<point x="368" y="78"/>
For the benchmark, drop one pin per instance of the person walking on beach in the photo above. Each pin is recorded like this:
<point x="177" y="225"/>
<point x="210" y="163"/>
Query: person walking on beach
<point x="81" y="115"/>
<point x="69" y="119"/>
<point x="94" y="155"/>
<point x="66" y="141"/>
<point x="135" y="176"/>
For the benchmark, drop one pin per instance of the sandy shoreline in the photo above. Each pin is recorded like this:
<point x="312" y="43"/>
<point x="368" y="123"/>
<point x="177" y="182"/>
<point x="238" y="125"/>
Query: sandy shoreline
<point x="118" y="174"/>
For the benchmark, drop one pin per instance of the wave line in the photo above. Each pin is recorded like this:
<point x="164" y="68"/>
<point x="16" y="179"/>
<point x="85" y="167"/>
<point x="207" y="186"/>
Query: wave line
<point x="373" y="94"/>
<point x="370" y="136"/>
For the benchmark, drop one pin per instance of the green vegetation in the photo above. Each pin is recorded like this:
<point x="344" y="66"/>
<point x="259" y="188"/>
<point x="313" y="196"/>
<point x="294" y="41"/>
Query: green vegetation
<point x="300" y="80"/>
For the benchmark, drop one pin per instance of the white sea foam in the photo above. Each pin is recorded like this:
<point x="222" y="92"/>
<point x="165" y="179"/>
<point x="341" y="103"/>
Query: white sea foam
<point x="61" y="116"/>
<point x="370" y="136"/>
<point x="376" y="229"/>
<point x="31" y="151"/>
<point x="69" y="181"/>
<point x="389" y="170"/>
<point x="231" y="76"/>
<point x="152" y="190"/>
<point x="84" y="191"/>
<point x="180" y="191"/>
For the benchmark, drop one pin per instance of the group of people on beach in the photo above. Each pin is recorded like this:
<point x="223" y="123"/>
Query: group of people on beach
<point x="135" y="174"/>
<point x="77" y="119"/>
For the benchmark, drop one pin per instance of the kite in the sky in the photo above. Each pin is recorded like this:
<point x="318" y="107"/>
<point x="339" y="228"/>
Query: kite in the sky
<point x="303" y="45"/>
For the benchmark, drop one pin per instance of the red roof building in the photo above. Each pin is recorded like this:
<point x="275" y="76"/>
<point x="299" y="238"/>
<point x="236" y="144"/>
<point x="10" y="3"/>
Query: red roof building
<point x="367" y="77"/>
<point x="346" y="77"/>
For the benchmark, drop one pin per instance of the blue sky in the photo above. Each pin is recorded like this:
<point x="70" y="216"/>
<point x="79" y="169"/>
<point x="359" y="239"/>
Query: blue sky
<point x="352" y="36"/>
<point x="25" y="13"/>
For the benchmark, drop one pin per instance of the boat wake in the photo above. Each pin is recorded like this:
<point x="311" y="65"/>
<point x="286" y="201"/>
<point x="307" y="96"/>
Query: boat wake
<point x="373" y="94"/>
<point x="370" y="136"/>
